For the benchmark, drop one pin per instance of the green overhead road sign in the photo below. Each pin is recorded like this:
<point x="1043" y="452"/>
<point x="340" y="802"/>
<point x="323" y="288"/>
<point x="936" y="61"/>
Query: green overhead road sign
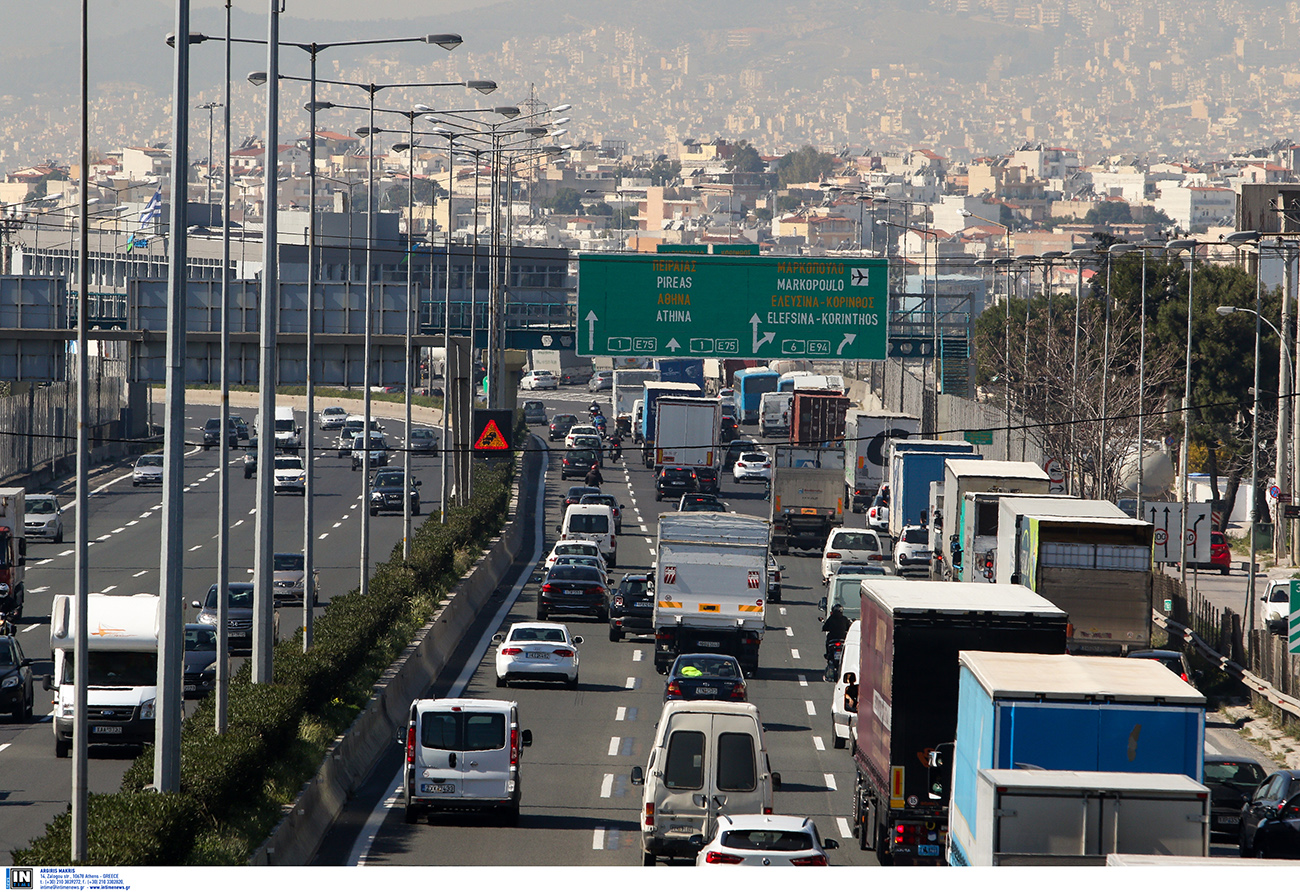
<point x="732" y="307"/>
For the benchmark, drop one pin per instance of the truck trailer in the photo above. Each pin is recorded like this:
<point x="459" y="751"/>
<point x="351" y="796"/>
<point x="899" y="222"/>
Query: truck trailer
<point x="807" y="500"/>
<point x="911" y="635"/>
<point x="867" y="436"/>
<point x="974" y="531"/>
<point x="686" y="432"/>
<point x="913" y="466"/>
<point x="13" y="546"/>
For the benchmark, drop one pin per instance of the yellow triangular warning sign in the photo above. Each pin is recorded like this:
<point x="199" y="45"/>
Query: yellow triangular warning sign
<point x="491" y="438"/>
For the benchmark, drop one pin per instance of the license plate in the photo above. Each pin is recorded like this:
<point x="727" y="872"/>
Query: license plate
<point x="704" y="690"/>
<point x="106" y="729"/>
<point x="437" y="788"/>
<point x="928" y="851"/>
<point x="191" y="687"/>
<point x="536" y="655"/>
<point x="1227" y="819"/>
<point x="710" y="643"/>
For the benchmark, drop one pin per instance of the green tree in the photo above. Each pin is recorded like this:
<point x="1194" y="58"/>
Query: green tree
<point x="565" y="201"/>
<point x="806" y="165"/>
<point x="745" y="159"/>
<point x="1109" y="212"/>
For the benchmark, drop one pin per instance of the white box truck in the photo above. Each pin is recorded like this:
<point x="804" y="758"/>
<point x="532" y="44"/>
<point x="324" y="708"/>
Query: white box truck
<point x="973" y="532"/>
<point x="13" y="546"/>
<point x="710" y="579"/>
<point x="867" y="436"/>
<point x="1034" y="817"/>
<point x="122" y="670"/>
<point x="629" y="385"/>
<point x="686" y="432"/>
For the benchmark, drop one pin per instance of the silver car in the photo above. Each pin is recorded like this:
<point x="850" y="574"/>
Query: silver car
<point x="43" y="518"/>
<point x="148" y="470"/>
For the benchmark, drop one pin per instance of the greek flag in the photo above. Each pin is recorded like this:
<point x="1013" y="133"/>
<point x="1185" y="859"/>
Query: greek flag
<point x="153" y="210"/>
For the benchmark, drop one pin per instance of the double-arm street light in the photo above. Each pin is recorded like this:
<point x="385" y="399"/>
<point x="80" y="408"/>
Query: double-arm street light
<point x="1190" y="246"/>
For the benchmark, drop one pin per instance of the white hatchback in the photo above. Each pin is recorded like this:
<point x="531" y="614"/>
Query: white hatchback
<point x="539" y="651"/>
<point x="766" y="841"/>
<point x="579" y="547"/>
<point x="854" y="546"/>
<point x="580" y="430"/>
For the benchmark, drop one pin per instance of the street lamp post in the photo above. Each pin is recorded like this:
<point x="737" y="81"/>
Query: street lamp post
<point x="209" y="106"/>
<point x="1188" y="245"/>
<point x="1103" y="478"/>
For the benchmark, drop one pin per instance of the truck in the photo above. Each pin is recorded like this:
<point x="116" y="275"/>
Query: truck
<point x="566" y="365"/>
<point x="750" y="385"/>
<point x="975" y="521"/>
<point x="629" y="385"/>
<point x="911" y="635"/>
<point x="651" y="391"/>
<point x="13" y="546"/>
<point x="913" y="466"/>
<point x="682" y="371"/>
<point x="686" y="432"/>
<point x="867" y="436"/>
<point x="1094" y="565"/>
<point x="122" y="669"/>
<point x="818" y="418"/>
<point x="710" y="586"/>
<point x="807" y="500"/>
<point x="1026" y="817"/>
<point x="774" y="414"/>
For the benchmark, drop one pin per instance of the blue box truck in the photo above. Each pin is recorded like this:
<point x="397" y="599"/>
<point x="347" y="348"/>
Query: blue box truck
<point x="913" y="466"/>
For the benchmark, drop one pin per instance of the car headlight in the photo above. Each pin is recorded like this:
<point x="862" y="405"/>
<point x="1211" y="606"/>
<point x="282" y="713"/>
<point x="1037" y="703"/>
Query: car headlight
<point x="210" y="669"/>
<point x="376" y="497"/>
<point x="208" y="619"/>
<point x="66" y="710"/>
<point x="10" y="682"/>
<point x="146" y="709"/>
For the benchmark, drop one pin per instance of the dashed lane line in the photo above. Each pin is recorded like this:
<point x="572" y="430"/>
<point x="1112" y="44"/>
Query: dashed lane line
<point x="636" y="655"/>
<point x="845" y="830"/>
<point x="794" y="653"/>
<point x="109" y="588"/>
<point x="803" y="681"/>
<point x="65" y="553"/>
<point x="138" y="575"/>
<point x="32" y="628"/>
<point x="620" y="714"/>
<point x="819" y="744"/>
<point x="118" y="530"/>
<point x="631" y="683"/>
<point x="810" y="706"/>
<point x="830" y="781"/>
<point x="614" y="743"/>
<point x="598" y="838"/>
<point x="789" y="632"/>
<point x="607" y="786"/>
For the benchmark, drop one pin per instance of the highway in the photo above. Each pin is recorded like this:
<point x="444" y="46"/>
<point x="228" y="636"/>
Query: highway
<point x="125" y="530"/>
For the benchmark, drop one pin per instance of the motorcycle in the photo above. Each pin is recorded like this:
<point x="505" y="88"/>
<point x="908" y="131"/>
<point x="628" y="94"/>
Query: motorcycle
<point x="599" y="423"/>
<point x="616" y="449"/>
<point x="834" y="658"/>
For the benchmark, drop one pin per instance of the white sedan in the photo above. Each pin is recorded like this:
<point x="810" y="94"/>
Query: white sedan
<point x="541" y="651"/>
<point x="580" y="430"/>
<point x="765" y="841"/>
<point x="752" y="466"/>
<point x="538" y="381"/>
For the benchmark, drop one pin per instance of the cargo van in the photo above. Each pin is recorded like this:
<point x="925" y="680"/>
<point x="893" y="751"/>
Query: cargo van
<point x="843" y="718"/>
<point x="463" y="755"/>
<point x="708" y="758"/>
<point x="594" y="523"/>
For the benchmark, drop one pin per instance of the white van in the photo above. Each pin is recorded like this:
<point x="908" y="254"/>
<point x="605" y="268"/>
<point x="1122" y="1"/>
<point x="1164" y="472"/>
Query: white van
<point x="708" y="759"/>
<point x="463" y="754"/>
<point x="774" y="414"/>
<point x="843" y="720"/>
<point x="594" y="523"/>
<point x="286" y="431"/>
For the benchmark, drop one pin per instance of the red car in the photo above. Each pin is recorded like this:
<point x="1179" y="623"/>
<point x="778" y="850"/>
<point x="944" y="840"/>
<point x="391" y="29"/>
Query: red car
<point x="1220" y="553"/>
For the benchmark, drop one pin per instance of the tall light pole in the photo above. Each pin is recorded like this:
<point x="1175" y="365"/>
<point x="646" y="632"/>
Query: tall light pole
<point x="1080" y="256"/>
<point x="1103" y="477"/>
<point x="209" y="106"/>
<point x="1172" y="246"/>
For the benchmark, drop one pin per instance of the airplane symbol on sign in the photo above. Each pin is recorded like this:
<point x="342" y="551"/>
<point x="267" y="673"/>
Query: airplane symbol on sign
<point x="858" y="278"/>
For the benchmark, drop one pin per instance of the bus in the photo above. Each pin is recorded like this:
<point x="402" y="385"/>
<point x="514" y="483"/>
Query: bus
<point x="750" y="385"/>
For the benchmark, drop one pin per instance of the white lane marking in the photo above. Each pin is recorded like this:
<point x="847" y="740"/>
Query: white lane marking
<point x="38" y="590"/>
<point x="156" y="508"/>
<point x="789" y="632"/>
<point x="252" y="511"/>
<point x="845" y="829"/>
<point x="32" y="628"/>
<point x="794" y="653"/>
<point x="346" y="516"/>
<point x="337" y="525"/>
<point x="830" y="781"/>
<point x="132" y="523"/>
<point x="44" y="562"/>
<point x="636" y="655"/>
<point x="598" y="838"/>
<point x="817" y="742"/>
<point x="644" y="528"/>
<point x="620" y="714"/>
<point x="631" y="683"/>
<point x="103" y="537"/>
<point x="782" y="610"/>
<point x="803" y="681"/>
<point x="108" y="588"/>
<point x="323" y="536"/>
<point x="65" y="553"/>
<point x="196" y="548"/>
<point x="119" y="530"/>
<point x="613" y="745"/>
<point x="238" y="522"/>
<point x="138" y="575"/>
<point x="808" y="704"/>
<point x="607" y="786"/>
<point x="1211" y="750"/>
<point x="4" y="746"/>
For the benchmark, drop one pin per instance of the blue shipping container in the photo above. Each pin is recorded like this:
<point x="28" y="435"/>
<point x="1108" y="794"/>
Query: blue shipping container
<point x="682" y="371"/>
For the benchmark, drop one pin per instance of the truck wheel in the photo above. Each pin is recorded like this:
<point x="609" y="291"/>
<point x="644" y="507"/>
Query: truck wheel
<point x="839" y="741"/>
<point x="62" y="748"/>
<point x="883" y="855"/>
<point x="410" y="814"/>
<point x="541" y="612"/>
<point x="647" y="859"/>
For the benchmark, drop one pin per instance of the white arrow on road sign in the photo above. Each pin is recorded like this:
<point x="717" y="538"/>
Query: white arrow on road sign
<point x="591" y="330"/>
<point x="767" y="335"/>
<point x="848" y="339"/>
<point x="673" y="345"/>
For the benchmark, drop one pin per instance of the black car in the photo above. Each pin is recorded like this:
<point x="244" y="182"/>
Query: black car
<point x="1270" y="819"/>
<point x="575" y="494"/>
<point x="727" y="430"/>
<point x="200" y="659"/>
<point x="239" y="615"/>
<point x="674" y="481"/>
<point x="700" y="501"/>
<point x="706" y="480"/>
<point x="705" y="677"/>
<point x="577" y="462"/>
<point x="240" y="426"/>
<point x="386" y="493"/>
<point x="212" y="434"/>
<point x="15" y="680"/>
<point x="734" y="450"/>
<point x="250" y="459"/>
<point x="560" y="425"/>
<point x="604" y="498"/>
<point x="1231" y="782"/>
<point x="1172" y="660"/>
<point x="573" y="588"/>
<point x="631" y="606"/>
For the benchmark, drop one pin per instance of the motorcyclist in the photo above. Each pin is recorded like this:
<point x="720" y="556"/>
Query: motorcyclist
<point x="616" y="446"/>
<point x="836" y="627"/>
<point x="594" y="477"/>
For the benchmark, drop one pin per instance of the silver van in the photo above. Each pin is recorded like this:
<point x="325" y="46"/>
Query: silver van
<point x="708" y="759"/>
<point x="463" y="754"/>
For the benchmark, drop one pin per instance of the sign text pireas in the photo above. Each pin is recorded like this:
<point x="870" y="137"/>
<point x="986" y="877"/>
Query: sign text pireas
<point x="751" y="307"/>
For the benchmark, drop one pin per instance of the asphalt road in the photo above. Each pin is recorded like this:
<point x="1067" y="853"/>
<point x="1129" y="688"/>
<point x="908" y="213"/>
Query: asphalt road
<point x="124" y="555"/>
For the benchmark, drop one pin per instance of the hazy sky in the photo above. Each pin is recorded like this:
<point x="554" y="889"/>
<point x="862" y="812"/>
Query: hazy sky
<point x="347" y="10"/>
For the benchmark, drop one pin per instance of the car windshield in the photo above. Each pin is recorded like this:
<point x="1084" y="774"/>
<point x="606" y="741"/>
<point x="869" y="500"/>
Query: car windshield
<point x="585" y="548"/>
<point x="753" y="457"/>
<point x="588" y="523"/>
<point x="213" y="424"/>
<point x="421" y="435"/>
<point x="241" y="597"/>
<point x="1244" y="776"/>
<point x="916" y="536"/>
<point x="288" y="462"/>
<point x="202" y="638"/>
<point x="41" y="506"/>
<point x="713" y="667"/>
<point x="1279" y="595"/>
<point x="581" y="457"/>
<point x="632" y="587"/>
<point x="116" y="669"/>
<point x="149" y="461"/>
<point x="389" y="478"/>
<point x="767" y="840"/>
<point x="288" y="561"/>
<point x="854" y="541"/>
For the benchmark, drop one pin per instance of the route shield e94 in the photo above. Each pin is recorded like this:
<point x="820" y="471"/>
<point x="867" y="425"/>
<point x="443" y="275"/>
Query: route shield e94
<point x="732" y="307"/>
